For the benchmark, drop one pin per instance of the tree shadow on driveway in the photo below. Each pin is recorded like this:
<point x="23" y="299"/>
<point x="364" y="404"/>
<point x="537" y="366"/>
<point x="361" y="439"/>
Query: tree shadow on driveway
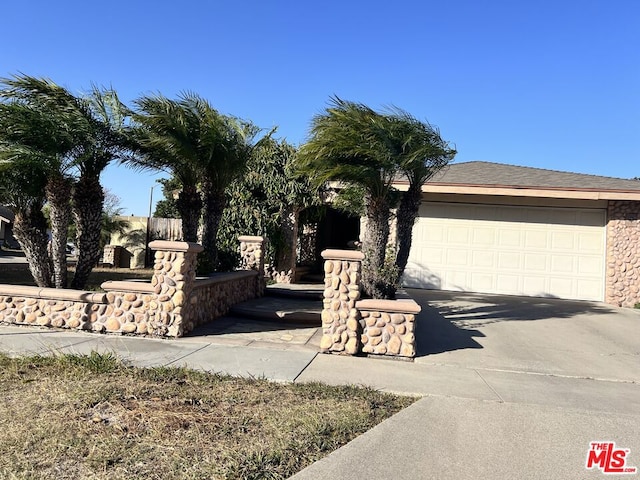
<point x="451" y="320"/>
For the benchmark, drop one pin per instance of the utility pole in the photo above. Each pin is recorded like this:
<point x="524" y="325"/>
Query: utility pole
<point x="147" y="250"/>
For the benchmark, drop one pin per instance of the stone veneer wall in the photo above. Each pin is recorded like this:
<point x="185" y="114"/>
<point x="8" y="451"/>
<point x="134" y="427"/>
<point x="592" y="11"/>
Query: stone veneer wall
<point x="340" y="319"/>
<point x="50" y="307"/>
<point x="252" y="258"/>
<point x="388" y="327"/>
<point x="350" y="325"/>
<point x="111" y="255"/>
<point x="213" y="297"/>
<point x="623" y="254"/>
<point x="171" y="305"/>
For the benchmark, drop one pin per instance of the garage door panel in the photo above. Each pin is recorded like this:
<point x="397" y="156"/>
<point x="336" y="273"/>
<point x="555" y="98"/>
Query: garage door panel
<point x="590" y="287"/>
<point x="563" y="264"/>
<point x="536" y="285"/>
<point x="457" y="234"/>
<point x="563" y="240"/>
<point x="561" y="287"/>
<point x="484" y="236"/>
<point x="434" y="234"/>
<point x="509" y="284"/>
<point x="431" y="256"/>
<point x="457" y="257"/>
<point x="483" y="280"/>
<point x="513" y="250"/>
<point x="510" y="261"/>
<point x="508" y="237"/>
<point x="536" y="239"/>
<point x="483" y="259"/>
<point x="457" y="280"/>
<point x="590" y="243"/>
<point x="587" y="265"/>
<point x="535" y="262"/>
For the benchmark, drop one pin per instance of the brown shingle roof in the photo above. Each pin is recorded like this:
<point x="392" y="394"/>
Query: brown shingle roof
<point x="489" y="174"/>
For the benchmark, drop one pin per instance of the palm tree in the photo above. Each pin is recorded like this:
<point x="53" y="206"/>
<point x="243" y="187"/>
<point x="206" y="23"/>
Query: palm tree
<point x="100" y="118"/>
<point x="420" y="152"/>
<point x="31" y="131"/>
<point x="200" y="147"/>
<point x="22" y="188"/>
<point x="349" y="144"/>
<point x="94" y="124"/>
<point x="165" y="138"/>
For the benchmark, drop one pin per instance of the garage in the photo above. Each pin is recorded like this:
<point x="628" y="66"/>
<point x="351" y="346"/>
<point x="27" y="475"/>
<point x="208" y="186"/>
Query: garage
<point x="506" y="229"/>
<point x="504" y="249"/>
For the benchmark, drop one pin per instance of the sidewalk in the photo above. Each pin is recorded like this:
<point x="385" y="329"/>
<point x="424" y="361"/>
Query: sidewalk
<point x="485" y="412"/>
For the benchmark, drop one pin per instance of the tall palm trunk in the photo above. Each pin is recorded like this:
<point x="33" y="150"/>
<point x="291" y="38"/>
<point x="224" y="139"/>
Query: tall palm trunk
<point x="189" y="205"/>
<point x="374" y="245"/>
<point x="214" y="203"/>
<point x="406" y="217"/>
<point x="30" y="228"/>
<point x="88" y="200"/>
<point x="58" y="193"/>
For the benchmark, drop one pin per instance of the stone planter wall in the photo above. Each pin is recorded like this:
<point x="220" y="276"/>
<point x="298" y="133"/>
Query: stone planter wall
<point x="623" y="254"/>
<point x="50" y="307"/>
<point x="214" y="296"/>
<point x="172" y="304"/>
<point x="388" y="326"/>
<point x="350" y="325"/>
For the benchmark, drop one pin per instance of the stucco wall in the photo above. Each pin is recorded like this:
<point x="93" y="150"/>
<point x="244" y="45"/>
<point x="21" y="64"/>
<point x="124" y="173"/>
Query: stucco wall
<point x="623" y="254"/>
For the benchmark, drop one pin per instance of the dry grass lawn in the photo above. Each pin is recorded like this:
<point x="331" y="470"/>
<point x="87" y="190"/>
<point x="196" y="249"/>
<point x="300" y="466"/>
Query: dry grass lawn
<point x="91" y="417"/>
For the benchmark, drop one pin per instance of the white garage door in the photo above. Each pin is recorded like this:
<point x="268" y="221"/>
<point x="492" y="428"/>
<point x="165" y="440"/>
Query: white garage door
<point x="537" y="251"/>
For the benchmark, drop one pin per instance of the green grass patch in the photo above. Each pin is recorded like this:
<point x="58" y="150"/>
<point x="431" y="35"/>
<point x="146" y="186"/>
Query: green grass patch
<point x="81" y="417"/>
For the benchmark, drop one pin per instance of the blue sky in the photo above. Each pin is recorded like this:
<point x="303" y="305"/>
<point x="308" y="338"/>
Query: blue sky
<point x="550" y="84"/>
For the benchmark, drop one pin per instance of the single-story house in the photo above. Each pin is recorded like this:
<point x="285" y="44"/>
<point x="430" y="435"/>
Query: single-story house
<point x="504" y="229"/>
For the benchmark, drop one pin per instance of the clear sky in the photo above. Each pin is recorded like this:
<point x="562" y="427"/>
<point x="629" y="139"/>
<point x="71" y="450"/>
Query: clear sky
<point x="546" y="83"/>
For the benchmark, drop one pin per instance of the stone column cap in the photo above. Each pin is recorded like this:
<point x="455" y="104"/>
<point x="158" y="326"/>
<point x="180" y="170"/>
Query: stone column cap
<point x="168" y="246"/>
<point x="250" y="238"/>
<point x="332" y="254"/>
<point x="53" y="293"/>
<point x="397" y="306"/>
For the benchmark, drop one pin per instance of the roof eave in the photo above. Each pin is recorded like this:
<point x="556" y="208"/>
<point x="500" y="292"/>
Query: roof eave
<point x="544" y="192"/>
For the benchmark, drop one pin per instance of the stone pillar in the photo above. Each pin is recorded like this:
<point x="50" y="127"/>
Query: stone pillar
<point x="174" y="273"/>
<point x="623" y="254"/>
<point x="340" y="318"/>
<point x="252" y="258"/>
<point x="111" y="255"/>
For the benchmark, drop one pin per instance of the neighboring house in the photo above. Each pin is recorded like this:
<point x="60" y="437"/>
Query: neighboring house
<point x="6" y="224"/>
<point x="493" y="228"/>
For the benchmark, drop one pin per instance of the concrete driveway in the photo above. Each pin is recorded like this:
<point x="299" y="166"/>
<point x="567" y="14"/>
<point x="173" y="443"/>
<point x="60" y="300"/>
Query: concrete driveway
<point x="528" y="335"/>
<point x="512" y="387"/>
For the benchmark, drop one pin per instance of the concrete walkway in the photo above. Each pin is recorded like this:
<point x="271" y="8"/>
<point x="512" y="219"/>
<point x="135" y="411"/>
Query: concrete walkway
<point x="510" y="387"/>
